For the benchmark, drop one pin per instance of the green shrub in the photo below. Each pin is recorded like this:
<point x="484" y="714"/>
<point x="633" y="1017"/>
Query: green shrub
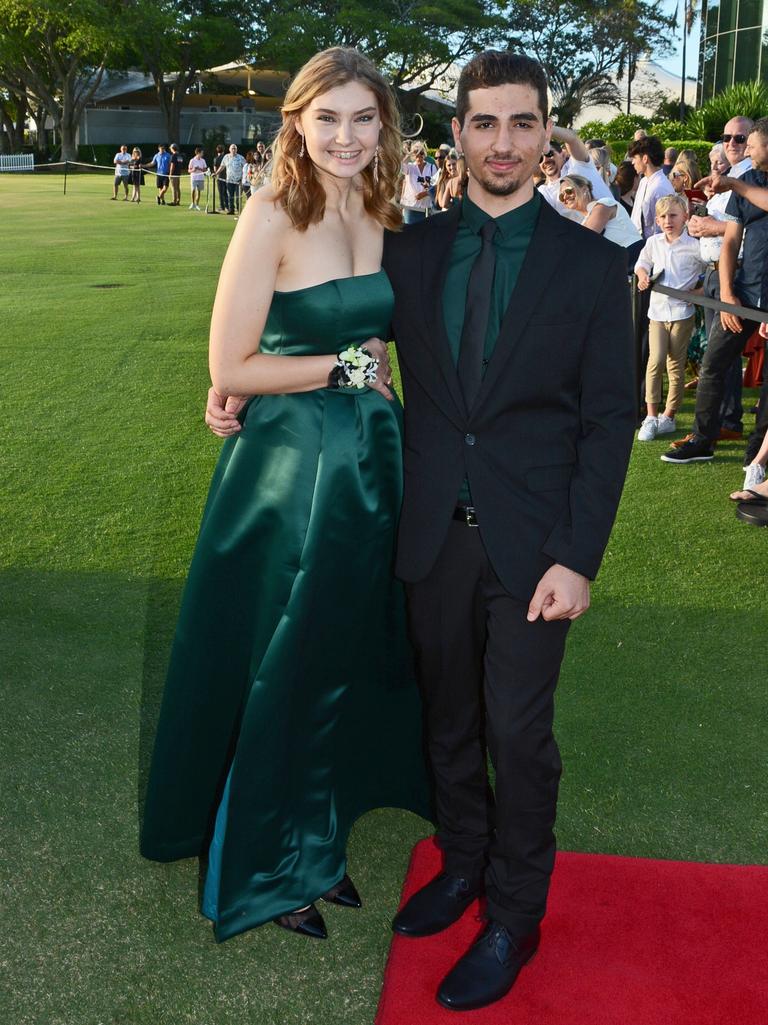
<point x="594" y="130"/>
<point x="700" y="147"/>
<point x="749" y="99"/>
<point x="669" y="129"/>
<point x="618" y="148"/>
<point x="624" y="126"/>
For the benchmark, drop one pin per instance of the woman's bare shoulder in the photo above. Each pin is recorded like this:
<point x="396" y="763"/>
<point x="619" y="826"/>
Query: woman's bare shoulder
<point x="264" y="209"/>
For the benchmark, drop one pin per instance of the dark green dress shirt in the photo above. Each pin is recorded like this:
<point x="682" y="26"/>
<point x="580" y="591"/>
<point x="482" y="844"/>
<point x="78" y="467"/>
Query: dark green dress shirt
<point x="515" y="230"/>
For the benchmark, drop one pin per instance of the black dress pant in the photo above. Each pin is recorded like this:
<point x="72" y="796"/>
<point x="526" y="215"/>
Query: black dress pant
<point x="723" y="346"/>
<point x="488" y="676"/>
<point x="731" y="411"/>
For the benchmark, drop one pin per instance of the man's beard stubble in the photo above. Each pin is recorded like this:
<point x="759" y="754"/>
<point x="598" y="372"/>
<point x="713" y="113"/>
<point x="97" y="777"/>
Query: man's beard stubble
<point x="501" y="187"/>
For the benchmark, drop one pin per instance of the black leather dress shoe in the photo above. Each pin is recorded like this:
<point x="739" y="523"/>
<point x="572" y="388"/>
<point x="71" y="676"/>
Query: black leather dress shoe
<point x="436" y="906"/>
<point x="488" y="970"/>
<point x="344" y="893"/>
<point x="308" y="922"/>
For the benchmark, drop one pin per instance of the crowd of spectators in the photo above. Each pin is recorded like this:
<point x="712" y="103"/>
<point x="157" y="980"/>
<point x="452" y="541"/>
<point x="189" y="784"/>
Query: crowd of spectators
<point x="705" y="235"/>
<point x="674" y="226"/>
<point x="230" y="173"/>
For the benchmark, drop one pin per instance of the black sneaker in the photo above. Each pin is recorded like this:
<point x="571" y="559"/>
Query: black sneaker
<point x="695" y="451"/>
<point x="158" y="201"/>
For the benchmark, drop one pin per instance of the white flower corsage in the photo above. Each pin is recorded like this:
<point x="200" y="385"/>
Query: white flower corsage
<point x="355" y="367"/>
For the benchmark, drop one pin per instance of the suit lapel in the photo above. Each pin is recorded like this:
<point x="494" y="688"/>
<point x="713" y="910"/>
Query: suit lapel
<point x="538" y="269"/>
<point x="435" y="260"/>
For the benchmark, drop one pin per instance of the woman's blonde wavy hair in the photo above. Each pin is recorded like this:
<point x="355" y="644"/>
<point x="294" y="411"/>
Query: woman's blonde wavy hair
<point x="294" y="180"/>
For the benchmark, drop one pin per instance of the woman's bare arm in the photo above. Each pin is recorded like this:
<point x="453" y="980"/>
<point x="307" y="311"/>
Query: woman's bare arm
<point x="598" y="217"/>
<point x="241" y="307"/>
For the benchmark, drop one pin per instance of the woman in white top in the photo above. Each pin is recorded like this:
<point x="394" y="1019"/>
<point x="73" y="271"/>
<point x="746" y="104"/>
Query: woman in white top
<point x="419" y="177"/>
<point x="605" y="216"/>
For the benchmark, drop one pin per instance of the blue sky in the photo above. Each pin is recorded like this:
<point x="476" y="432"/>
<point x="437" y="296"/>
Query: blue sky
<point x="675" y="63"/>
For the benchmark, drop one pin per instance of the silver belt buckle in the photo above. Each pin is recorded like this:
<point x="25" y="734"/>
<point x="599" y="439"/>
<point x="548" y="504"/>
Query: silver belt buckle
<point x="469" y="512"/>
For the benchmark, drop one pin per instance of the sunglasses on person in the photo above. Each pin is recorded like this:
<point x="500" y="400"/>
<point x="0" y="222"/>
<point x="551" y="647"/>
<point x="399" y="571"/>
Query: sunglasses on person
<point x="546" y="156"/>
<point x="740" y="139"/>
<point x="566" y="193"/>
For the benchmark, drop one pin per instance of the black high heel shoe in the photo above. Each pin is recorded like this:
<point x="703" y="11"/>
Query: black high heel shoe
<point x="308" y="922"/>
<point x="344" y="894"/>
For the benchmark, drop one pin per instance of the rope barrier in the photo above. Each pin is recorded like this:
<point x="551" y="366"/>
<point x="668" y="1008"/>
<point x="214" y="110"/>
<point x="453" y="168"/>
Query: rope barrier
<point x="131" y="170"/>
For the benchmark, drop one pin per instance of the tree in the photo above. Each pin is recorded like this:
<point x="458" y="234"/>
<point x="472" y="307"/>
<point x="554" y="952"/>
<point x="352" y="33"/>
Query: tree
<point x="176" y="39"/>
<point x="586" y="47"/>
<point x="690" y="10"/>
<point x="572" y="92"/>
<point x="415" y="42"/>
<point x="13" y="113"/>
<point x="55" y="52"/>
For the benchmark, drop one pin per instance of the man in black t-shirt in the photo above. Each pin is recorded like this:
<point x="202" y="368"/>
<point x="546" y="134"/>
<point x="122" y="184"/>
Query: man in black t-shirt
<point x="177" y="162"/>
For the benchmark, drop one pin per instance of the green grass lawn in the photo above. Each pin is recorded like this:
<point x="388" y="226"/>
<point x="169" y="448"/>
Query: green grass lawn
<point x="105" y="463"/>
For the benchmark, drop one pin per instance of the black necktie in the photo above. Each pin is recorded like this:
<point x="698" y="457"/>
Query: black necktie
<point x="476" y="312"/>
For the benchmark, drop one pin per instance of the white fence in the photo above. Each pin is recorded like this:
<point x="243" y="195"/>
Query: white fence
<point x="17" y="162"/>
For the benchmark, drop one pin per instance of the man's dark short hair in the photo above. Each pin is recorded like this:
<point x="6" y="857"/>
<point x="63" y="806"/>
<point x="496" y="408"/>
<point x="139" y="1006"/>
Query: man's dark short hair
<point x="761" y="127"/>
<point x="651" y="146"/>
<point x="500" y="67"/>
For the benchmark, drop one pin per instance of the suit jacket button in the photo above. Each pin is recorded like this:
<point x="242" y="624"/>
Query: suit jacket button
<point x="470" y="439"/>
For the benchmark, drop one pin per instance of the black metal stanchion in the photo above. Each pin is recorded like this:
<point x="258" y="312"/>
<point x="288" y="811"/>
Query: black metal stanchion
<point x="66" y="164"/>
<point x="214" y="183"/>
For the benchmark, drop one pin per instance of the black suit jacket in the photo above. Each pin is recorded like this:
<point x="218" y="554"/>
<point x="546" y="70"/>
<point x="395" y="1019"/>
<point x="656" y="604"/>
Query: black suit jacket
<point x="547" y="442"/>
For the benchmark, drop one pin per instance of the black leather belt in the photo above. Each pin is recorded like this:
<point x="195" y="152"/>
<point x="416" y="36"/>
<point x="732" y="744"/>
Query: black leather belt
<point x="466" y="514"/>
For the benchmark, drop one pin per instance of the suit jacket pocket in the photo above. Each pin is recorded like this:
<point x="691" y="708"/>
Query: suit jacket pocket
<point x="550" y="478"/>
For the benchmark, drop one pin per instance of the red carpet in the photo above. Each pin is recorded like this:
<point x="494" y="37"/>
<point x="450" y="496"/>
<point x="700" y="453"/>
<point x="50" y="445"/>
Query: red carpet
<point x="626" y="941"/>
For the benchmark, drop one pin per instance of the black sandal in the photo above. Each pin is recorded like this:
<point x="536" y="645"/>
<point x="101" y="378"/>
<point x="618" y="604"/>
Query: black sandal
<point x="757" y="500"/>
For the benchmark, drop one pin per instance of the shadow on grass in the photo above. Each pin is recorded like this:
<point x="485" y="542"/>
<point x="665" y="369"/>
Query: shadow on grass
<point x="659" y="711"/>
<point x="660" y="721"/>
<point x="162" y="602"/>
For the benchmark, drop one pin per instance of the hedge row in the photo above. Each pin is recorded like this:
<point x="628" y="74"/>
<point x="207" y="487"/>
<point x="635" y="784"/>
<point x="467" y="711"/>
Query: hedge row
<point x="700" y="147"/>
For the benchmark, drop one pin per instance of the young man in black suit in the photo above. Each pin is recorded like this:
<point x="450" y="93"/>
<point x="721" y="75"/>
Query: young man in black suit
<point x="514" y="339"/>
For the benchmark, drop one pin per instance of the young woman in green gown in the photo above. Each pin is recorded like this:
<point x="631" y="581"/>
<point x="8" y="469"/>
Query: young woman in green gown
<point x="290" y="706"/>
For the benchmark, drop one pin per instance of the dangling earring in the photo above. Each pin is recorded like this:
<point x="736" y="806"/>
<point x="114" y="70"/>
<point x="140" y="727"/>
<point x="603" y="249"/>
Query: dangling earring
<point x="376" y="167"/>
<point x="301" y="151"/>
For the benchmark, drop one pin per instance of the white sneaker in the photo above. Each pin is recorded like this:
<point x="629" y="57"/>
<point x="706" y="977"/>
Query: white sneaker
<point x="667" y="425"/>
<point x="648" y="429"/>
<point x="755" y="474"/>
<point x="197" y="208"/>
<point x="192" y="206"/>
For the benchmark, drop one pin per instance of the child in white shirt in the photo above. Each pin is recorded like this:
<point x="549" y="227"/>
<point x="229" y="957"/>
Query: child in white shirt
<point x="671" y="320"/>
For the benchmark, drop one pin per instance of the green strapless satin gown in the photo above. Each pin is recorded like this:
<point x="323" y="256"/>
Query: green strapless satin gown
<point x="290" y="706"/>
